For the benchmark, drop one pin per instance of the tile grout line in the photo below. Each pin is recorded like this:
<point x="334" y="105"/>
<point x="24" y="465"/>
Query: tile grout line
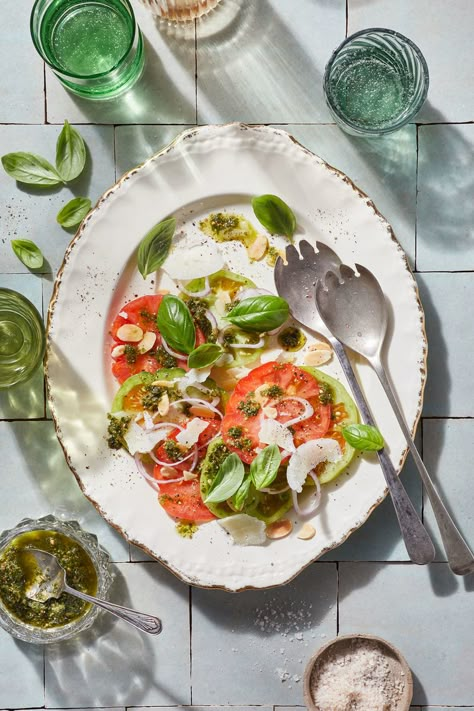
<point x="115" y="151"/>
<point x="417" y="140"/>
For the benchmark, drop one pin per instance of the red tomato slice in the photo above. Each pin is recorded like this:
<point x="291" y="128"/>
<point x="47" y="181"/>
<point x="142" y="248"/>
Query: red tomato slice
<point x="240" y="432"/>
<point x="204" y="438"/>
<point x="123" y="370"/>
<point x="141" y="312"/>
<point x="183" y="500"/>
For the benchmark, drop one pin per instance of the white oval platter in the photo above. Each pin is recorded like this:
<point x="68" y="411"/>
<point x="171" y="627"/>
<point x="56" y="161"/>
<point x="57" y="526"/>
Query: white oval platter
<point x="204" y="169"/>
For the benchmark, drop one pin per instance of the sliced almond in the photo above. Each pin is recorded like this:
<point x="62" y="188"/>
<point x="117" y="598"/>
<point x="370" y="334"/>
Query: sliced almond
<point x="163" y="405"/>
<point x="279" y="529"/>
<point x="130" y="332"/>
<point x="147" y="342"/>
<point x="259" y="396"/>
<point x="270" y="411"/>
<point x="258" y="248"/>
<point x="201" y="411"/>
<point x="223" y="298"/>
<point x="189" y="476"/>
<point x="306" y="532"/>
<point x="318" y="354"/>
<point x="118" y="351"/>
<point x="320" y="346"/>
<point x="168" y="473"/>
<point x="162" y="383"/>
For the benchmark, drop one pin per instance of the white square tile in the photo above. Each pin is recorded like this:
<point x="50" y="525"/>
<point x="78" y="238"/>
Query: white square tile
<point x="114" y="664"/>
<point x="21" y="673"/>
<point x="445" y="208"/>
<point x="134" y="144"/>
<point x="444" y="35"/>
<point x="264" y="61"/>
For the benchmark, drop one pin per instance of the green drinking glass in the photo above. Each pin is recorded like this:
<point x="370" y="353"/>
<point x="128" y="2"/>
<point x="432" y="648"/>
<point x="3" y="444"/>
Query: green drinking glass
<point x="94" y="47"/>
<point x="22" y="338"/>
<point x="375" y="82"/>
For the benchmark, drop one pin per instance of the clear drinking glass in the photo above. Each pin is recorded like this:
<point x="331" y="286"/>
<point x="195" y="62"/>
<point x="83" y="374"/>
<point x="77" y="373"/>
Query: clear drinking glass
<point x="94" y="47"/>
<point x="375" y="82"/>
<point x="180" y="10"/>
<point x="22" y="339"/>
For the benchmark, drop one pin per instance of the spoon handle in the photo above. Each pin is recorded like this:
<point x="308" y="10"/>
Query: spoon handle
<point x="144" y="622"/>
<point x="458" y="553"/>
<point x="417" y="541"/>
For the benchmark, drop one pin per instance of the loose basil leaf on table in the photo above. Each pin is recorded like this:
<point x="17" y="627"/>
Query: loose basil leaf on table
<point x="31" y="169"/>
<point x="73" y="212"/>
<point x="28" y="253"/>
<point x="240" y="496"/>
<point x="70" y="153"/>
<point x="176" y="324"/>
<point x="365" y="438"/>
<point x="264" y="467"/>
<point x="228" y="480"/>
<point x="259" y="314"/>
<point x="205" y="355"/>
<point x="275" y="215"/>
<point x="155" y="246"/>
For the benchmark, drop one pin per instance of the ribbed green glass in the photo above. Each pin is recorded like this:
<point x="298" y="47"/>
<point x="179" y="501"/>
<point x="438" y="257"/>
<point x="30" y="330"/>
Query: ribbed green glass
<point x="22" y="338"/>
<point x="375" y="82"/>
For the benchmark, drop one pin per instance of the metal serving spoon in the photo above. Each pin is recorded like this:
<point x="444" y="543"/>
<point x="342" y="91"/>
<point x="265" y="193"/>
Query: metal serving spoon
<point x="52" y="582"/>
<point x="355" y="311"/>
<point x="295" y="282"/>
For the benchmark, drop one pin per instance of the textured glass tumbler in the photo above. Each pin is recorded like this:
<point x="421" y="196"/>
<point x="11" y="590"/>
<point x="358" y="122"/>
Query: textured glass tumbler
<point x="22" y="339"/>
<point x="180" y="10"/>
<point x="375" y="82"/>
<point x="94" y="47"/>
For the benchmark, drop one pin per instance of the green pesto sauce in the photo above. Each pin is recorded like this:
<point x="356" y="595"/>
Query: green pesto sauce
<point x="226" y="226"/>
<point x="291" y="339"/>
<point x="116" y="430"/>
<point x="186" y="529"/>
<point x="272" y="256"/>
<point x="18" y="571"/>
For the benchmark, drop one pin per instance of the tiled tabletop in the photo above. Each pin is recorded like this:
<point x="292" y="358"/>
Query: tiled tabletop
<point x="259" y="61"/>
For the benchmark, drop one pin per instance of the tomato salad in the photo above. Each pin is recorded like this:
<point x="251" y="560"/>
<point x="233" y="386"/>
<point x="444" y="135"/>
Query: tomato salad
<point x="214" y="429"/>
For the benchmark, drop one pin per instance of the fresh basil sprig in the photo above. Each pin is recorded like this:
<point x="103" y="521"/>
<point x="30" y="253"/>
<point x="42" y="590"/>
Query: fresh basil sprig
<point x="155" y="246"/>
<point x="70" y="153"/>
<point x="73" y="212"/>
<point x="28" y="253"/>
<point x="228" y="480"/>
<point x="264" y="467"/>
<point x="241" y="495"/>
<point x="31" y="169"/>
<point x="258" y="314"/>
<point x="205" y="355"/>
<point x="363" y="437"/>
<point x="176" y="324"/>
<point x="275" y="215"/>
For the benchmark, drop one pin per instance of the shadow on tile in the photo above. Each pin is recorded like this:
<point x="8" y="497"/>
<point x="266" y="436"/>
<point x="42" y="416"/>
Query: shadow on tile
<point x="25" y="400"/>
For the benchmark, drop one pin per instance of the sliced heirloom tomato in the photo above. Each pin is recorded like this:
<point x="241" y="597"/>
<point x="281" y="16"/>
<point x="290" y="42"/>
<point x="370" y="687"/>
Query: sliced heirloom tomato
<point x="141" y="312"/>
<point x="183" y="500"/>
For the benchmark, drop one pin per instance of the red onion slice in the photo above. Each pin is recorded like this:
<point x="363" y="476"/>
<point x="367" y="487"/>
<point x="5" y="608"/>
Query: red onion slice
<point x="175" y="354"/>
<point x="179" y="461"/>
<point x="198" y="401"/>
<point x="306" y="414"/>
<point x="210" y="317"/>
<point x="250" y="292"/>
<point x="197" y="294"/>
<point x="154" y="483"/>
<point x="315" y="498"/>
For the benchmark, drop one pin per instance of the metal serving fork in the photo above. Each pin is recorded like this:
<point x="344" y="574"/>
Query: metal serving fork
<point x="365" y="334"/>
<point x="296" y="282"/>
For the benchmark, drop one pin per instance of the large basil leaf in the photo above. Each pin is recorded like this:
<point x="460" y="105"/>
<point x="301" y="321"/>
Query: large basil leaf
<point x="240" y="496"/>
<point x="176" y="324"/>
<point x="73" y="212"/>
<point x="70" y="153"/>
<point x="264" y="467"/>
<point x="274" y="215"/>
<point x="28" y="253"/>
<point x="365" y="438"/>
<point x="228" y="480"/>
<point x="31" y="168"/>
<point x="155" y="246"/>
<point x="258" y="314"/>
<point x="205" y="355"/>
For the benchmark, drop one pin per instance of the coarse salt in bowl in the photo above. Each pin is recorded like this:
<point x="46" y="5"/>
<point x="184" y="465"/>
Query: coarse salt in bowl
<point x="358" y="672"/>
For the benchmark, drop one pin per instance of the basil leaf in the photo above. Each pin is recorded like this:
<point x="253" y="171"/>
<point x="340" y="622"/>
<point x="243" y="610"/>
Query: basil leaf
<point x="155" y="246"/>
<point x="240" y="496"/>
<point x="363" y="437"/>
<point x="264" y="467"/>
<point x="70" y="153"/>
<point x="259" y="313"/>
<point x="205" y="355"/>
<point x="30" y="168"/>
<point x="274" y="215"/>
<point x="28" y="253"/>
<point x="176" y="324"/>
<point x="228" y="480"/>
<point x="74" y="212"/>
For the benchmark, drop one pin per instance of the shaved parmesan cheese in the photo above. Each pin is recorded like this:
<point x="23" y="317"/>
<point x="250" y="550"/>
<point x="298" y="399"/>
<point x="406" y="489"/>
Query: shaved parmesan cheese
<point x="164" y="405"/>
<point x="191" y="377"/>
<point x="149" y="422"/>
<point x="193" y="257"/>
<point x="244" y="529"/>
<point x="307" y="457"/>
<point x="273" y="432"/>
<point x="123" y="314"/>
<point x="118" y="351"/>
<point x="139" y="440"/>
<point x="270" y="355"/>
<point x="191" y="432"/>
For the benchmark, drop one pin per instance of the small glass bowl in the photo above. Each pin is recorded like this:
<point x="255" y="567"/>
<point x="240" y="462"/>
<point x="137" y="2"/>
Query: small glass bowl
<point x="100" y="558"/>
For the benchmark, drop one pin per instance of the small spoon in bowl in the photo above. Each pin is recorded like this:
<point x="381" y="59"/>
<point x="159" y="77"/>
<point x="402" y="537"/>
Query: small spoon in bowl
<point x="51" y="582"/>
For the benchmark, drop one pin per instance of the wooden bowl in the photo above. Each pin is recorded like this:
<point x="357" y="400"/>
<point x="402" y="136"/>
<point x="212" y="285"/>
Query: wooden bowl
<point x="396" y="661"/>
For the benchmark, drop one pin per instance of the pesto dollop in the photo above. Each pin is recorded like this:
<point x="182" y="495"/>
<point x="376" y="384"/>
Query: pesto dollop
<point x="291" y="339"/>
<point x="18" y="571"/>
